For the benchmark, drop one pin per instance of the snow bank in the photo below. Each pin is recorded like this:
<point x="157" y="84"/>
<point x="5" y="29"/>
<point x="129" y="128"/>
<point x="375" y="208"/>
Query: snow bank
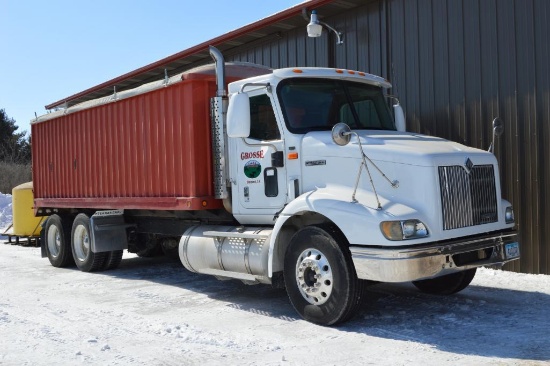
<point x="5" y="212"/>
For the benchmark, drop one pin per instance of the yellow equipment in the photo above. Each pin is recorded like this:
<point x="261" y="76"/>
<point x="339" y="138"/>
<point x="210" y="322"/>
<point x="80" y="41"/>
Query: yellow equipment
<point x="25" y="224"/>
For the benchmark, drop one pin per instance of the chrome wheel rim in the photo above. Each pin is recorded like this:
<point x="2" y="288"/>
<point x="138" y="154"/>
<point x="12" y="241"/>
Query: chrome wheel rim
<point x="314" y="276"/>
<point x="54" y="241"/>
<point x="81" y="243"/>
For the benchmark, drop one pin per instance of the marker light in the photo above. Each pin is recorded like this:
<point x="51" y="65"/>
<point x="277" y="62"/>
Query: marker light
<point x="509" y="215"/>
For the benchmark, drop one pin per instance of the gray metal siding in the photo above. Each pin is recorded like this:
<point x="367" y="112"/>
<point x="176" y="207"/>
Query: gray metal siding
<point x="456" y="65"/>
<point x="488" y="58"/>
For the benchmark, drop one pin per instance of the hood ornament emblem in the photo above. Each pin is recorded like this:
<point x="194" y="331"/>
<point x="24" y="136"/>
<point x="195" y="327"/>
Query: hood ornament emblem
<point x="468" y="166"/>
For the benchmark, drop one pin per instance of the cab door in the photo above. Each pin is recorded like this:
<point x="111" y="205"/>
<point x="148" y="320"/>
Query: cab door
<point x="258" y="170"/>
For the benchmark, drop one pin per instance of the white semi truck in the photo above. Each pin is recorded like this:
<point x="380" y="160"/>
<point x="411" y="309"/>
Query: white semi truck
<point x="312" y="183"/>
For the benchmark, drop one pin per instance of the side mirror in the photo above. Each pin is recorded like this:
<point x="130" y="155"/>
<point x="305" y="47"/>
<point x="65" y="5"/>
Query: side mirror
<point x="400" y="123"/>
<point x="498" y="129"/>
<point x="238" y="116"/>
<point x="341" y="134"/>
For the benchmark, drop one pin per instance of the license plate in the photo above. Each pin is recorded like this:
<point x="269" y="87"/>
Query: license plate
<point x="512" y="250"/>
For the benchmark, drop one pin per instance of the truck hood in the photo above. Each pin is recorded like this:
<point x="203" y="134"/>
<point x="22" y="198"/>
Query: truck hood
<point x="394" y="147"/>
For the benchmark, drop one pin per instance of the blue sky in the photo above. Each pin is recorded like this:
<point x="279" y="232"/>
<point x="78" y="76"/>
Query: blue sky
<point x="53" y="49"/>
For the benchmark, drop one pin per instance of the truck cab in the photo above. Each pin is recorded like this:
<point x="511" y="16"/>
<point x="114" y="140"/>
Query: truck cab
<point x="401" y="206"/>
<point x="288" y="157"/>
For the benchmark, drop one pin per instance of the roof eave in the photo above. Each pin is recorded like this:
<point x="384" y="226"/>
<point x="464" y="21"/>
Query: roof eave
<point x="285" y="14"/>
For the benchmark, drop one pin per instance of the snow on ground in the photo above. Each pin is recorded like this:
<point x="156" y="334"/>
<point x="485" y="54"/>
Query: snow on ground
<point x="5" y="212"/>
<point x="154" y="312"/>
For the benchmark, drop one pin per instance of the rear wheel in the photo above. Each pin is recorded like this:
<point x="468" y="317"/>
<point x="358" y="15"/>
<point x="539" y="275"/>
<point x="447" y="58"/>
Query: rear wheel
<point x="112" y="259"/>
<point x="85" y="259"/>
<point x="57" y="236"/>
<point x="448" y="284"/>
<point x="319" y="276"/>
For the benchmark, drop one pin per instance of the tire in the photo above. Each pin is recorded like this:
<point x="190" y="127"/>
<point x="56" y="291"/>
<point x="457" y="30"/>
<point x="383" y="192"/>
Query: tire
<point x="320" y="278"/>
<point x="85" y="259"/>
<point x="57" y="241"/>
<point x="149" y="246"/>
<point x="112" y="259"/>
<point x="170" y="248"/>
<point x="448" y="284"/>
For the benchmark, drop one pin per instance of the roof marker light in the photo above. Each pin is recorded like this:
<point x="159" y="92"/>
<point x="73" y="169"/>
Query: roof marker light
<point x="351" y="72"/>
<point x="340" y="71"/>
<point x="297" y="71"/>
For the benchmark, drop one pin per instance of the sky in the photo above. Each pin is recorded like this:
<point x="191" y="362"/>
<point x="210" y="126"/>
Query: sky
<point x="54" y="49"/>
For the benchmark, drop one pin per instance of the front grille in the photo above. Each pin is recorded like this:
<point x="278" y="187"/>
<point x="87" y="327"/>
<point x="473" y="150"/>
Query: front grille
<point x="467" y="199"/>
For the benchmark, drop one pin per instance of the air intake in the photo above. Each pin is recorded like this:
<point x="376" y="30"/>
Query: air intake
<point x="467" y="198"/>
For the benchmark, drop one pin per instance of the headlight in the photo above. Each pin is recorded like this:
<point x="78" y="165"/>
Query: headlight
<point x="403" y="230"/>
<point x="509" y="215"/>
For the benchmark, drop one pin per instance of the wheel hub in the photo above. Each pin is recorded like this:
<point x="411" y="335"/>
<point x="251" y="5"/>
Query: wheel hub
<point x="314" y="276"/>
<point x="81" y="243"/>
<point x="54" y="241"/>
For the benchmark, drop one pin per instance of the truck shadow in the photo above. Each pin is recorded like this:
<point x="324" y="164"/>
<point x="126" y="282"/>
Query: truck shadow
<point x="257" y="299"/>
<point x="482" y="321"/>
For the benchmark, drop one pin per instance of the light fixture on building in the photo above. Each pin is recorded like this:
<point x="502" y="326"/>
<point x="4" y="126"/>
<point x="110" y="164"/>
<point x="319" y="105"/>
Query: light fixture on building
<point x="315" y="28"/>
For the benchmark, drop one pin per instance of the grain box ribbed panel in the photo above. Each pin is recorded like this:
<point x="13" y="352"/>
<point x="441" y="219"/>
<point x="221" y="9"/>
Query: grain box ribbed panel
<point x="122" y="154"/>
<point x="151" y="139"/>
<point x="181" y="128"/>
<point x="172" y="178"/>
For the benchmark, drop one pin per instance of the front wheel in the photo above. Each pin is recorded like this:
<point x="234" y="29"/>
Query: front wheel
<point x="319" y="276"/>
<point x="448" y="284"/>
<point x="85" y="259"/>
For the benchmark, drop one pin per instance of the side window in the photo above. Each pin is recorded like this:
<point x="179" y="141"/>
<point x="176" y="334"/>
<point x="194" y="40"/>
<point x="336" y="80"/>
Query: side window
<point x="263" y="125"/>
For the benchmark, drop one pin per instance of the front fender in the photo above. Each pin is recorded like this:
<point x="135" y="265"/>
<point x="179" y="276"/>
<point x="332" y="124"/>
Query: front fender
<point x="359" y="221"/>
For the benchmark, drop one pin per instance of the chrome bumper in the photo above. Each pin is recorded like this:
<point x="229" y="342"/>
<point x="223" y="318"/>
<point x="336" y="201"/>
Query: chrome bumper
<point x="425" y="261"/>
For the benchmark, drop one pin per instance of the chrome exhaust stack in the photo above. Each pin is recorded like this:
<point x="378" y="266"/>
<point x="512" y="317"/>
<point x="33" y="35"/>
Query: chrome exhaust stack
<point x="220" y="71"/>
<point x="218" y="112"/>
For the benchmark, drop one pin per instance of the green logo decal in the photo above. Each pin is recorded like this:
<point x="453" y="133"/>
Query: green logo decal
<point x="252" y="169"/>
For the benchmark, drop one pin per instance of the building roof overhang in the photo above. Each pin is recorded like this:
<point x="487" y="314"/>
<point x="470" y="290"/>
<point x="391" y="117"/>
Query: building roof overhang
<point x="263" y="30"/>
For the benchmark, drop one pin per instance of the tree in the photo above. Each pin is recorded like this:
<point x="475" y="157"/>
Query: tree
<point x="14" y="146"/>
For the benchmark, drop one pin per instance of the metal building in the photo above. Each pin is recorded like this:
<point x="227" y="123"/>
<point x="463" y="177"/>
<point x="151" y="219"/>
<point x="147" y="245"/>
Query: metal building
<point x="455" y="65"/>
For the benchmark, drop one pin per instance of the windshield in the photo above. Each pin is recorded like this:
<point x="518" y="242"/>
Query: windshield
<point x="318" y="104"/>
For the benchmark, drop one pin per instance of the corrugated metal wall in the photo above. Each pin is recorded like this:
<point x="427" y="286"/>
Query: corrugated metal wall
<point x="461" y="63"/>
<point x="456" y="65"/>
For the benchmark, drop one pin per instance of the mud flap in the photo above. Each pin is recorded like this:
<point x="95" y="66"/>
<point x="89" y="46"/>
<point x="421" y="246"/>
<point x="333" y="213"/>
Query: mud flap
<point x="108" y="231"/>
